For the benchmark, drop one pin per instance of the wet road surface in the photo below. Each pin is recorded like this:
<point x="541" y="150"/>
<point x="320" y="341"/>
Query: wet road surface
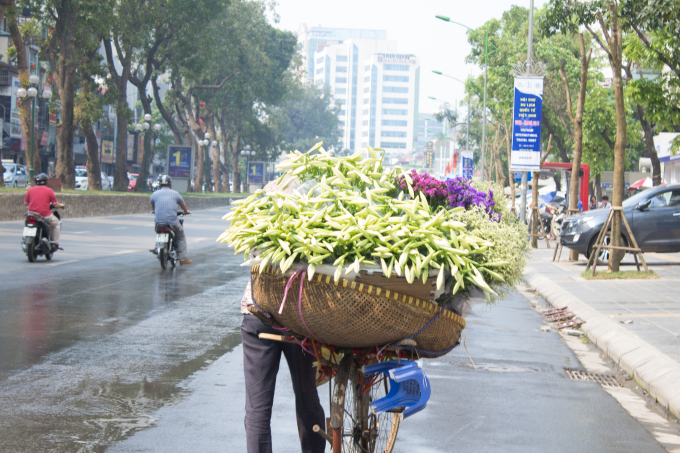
<point x="94" y="341"/>
<point x="518" y="400"/>
<point x="100" y="350"/>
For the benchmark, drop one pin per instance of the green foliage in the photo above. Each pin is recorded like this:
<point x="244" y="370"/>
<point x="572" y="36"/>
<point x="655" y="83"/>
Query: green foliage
<point x="309" y="115"/>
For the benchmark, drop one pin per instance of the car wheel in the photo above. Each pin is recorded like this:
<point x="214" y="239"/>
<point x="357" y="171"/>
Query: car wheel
<point x="603" y="256"/>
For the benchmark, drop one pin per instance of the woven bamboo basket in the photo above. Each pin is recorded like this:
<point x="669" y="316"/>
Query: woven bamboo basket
<point x="355" y="315"/>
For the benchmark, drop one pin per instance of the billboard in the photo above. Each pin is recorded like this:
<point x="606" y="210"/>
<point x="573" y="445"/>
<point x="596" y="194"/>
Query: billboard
<point x="467" y="164"/>
<point x="15" y="119"/>
<point x="140" y="149"/>
<point x="180" y="160"/>
<point x="526" y="124"/>
<point x="130" y="155"/>
<point x="107" y="152"/>
<point x="255" y="172"/>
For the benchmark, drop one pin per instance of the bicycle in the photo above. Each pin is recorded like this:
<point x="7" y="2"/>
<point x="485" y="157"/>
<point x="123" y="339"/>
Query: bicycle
<point x="354" y="426"/>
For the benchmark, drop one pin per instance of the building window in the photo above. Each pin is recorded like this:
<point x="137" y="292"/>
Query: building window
<point x="341" y="69"/>
<point x="319" y="60"/>
<point x="365" y="111"/>
<point x="393" y="134"/>
<point x="365" y="123"/>
<point x="341" y="123"/>
<point x="393" y="145"/>
<point x="341" y="113"/>
<point x="340" y="101"/>
<point x="341" y="91"/>
<point x="397" y="67"/>
<point x="366" y="100"/>
<point x="367" y="89"/>
<point x="395" y="78"/>
<point x="341" y="80"/>
<point x="364" y="134"/>
<point x="395" y="101"/>
<point x="367" y="68"/>
<point x="340" y="58"/>
<point x="319" y="71"/>
<point x="319" y="82"/>
<point x="394" y="123"/>
<point x="395" y="112"/>
<point x="395" y="89"/>
<point x="367" y="79"/>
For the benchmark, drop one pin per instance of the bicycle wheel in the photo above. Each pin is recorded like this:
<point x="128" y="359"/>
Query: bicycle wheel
<point x="363" y="431"/>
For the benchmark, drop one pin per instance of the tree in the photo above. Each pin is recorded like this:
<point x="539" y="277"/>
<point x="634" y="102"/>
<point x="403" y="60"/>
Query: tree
<point x="23" y="34"/>
<point x="4" y="4"/>
<point x="309" y="116"/>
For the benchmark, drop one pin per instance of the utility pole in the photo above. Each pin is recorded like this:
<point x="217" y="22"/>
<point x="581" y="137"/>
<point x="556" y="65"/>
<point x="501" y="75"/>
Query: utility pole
<point x="523" y="205"/>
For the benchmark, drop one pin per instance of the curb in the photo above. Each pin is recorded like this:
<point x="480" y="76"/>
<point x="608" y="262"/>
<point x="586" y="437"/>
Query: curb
<point x="651" y="369"/>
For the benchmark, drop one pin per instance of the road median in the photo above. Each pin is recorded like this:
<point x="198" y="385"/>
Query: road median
<point x="653" y="370"/>
<point x="95" y="205"/>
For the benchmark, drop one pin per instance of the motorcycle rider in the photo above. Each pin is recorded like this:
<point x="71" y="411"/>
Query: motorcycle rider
<point x="39" y="199"/>
<point x="165" y="202"/>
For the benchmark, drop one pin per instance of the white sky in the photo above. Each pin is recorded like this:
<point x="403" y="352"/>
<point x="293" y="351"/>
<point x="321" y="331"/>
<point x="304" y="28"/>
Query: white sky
<point x="440" y="45"/>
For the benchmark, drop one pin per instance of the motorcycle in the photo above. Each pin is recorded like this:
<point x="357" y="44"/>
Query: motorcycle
<point x="165" y="243"/>
<point x="36" y="236"/>
<point x="558" y="219"/>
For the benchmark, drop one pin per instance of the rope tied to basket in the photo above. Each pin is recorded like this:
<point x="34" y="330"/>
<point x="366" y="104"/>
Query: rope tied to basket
<point x="299" y="273"/>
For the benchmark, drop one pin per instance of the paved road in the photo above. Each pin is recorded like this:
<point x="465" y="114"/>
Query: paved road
<point x="101" y="350"/>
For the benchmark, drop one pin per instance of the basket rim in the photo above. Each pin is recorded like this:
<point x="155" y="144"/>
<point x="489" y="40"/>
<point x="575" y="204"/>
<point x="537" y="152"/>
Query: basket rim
<point x="372" y="290"/>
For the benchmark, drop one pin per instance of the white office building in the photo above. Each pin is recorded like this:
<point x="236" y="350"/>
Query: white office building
<point x="376" y="87"/>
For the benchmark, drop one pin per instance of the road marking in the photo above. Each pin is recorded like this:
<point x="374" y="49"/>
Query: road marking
<point x="647" y="315"/>
<point x="77" y="232"/>
<point x="125" y="252"/>
<point x="60" y="263"/>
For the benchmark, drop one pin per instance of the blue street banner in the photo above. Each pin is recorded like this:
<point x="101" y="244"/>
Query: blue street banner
<point x="255" y="172"/>
<point x="526" y="124"/>
<point x="467" y="164"/>
<point x="180" y="159"/>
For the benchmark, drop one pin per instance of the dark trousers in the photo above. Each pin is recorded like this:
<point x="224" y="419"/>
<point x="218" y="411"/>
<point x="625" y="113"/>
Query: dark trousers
<point x="261" y="360"/>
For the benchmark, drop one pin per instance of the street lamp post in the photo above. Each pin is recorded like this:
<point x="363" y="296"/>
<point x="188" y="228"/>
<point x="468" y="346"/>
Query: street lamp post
<point x="32" y="93"/>
<point x="486" y="65"/>
<point x="205" y="144"/>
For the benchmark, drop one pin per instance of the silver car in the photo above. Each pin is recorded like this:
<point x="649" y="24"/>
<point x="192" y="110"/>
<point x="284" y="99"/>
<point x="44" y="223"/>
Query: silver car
<point x="15" y="175"/>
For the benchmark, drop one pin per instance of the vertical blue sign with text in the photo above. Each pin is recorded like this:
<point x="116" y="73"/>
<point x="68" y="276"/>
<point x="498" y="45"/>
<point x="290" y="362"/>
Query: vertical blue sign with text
<point x="526" y="124"/>
<point x="467" y="164"/>
<point x="179" y="161"/>
<point x="255" y="172"/>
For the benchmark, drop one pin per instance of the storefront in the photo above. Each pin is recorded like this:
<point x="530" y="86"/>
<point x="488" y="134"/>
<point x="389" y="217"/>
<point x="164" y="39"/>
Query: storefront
<point x="670" y="164"/>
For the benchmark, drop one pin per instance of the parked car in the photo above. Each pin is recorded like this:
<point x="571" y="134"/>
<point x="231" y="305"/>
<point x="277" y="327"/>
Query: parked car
<point x="653" y="216"/>
<point x="15" y="175"/>
<point x="132" y="181"/>
<point x="82" y="184"/>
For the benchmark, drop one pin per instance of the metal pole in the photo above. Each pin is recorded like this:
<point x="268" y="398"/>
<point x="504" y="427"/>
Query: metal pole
<point x="205" y="171"/>
<point x="484" y="126"/>
<point x="31" y="170"/>
<point x="525" y="178"/>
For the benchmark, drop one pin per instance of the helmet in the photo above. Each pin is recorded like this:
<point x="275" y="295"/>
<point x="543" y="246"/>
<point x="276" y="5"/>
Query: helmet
<point x="165" y="180"/>
<point x="41" y="179"/>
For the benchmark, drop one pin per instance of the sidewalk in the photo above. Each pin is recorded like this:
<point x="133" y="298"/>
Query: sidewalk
<point x="647" y="347"/>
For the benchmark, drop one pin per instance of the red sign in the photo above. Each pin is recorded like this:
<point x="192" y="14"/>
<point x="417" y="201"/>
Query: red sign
<point x="45" y="138"/>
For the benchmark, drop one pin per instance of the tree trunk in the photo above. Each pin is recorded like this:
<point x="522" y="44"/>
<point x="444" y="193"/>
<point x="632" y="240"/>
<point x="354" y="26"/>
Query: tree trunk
<point x="598" y="187"/>
<point x="3" y="7"/>
<point x="148" y="155"/>
<point x="620" y="145"/>
<point x="94" y="177"/>
<point x="120" y="179"/>
<point x="651" y="149"/>
<point x="226" y="139"/>
<point x="217" y="180"/>
<point x="26" y="105"/>
<point x="234" y="162"/>
<point x="165" y="114"/>
<point x="577" y="122"/>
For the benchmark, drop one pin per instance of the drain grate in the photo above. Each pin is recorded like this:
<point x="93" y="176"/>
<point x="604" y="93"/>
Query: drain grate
<point x="607" y="380"/>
